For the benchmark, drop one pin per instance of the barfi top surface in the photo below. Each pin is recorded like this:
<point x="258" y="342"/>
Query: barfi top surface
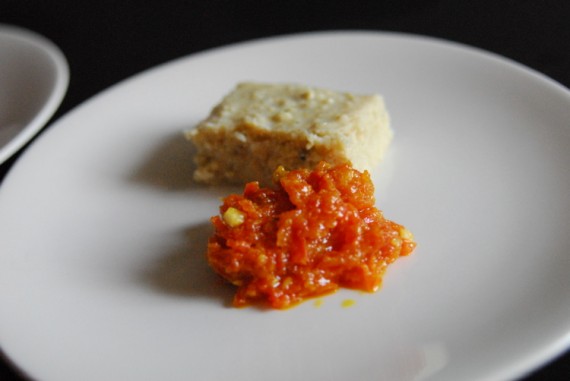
<point x="289" y="108"/>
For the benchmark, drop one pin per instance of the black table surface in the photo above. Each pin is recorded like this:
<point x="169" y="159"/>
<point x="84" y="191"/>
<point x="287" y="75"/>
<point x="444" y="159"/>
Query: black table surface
<point x="108" y="41"/>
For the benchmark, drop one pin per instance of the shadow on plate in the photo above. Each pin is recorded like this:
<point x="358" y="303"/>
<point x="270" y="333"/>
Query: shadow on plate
<point x="169" y="166"/>
<point x="185" y="272"/>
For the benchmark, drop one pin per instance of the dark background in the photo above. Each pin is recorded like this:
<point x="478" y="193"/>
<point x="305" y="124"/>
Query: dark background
<point x="107" y="41"/>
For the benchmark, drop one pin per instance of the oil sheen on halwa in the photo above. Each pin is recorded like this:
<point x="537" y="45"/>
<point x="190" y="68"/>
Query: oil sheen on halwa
<point x="315" y="231"/>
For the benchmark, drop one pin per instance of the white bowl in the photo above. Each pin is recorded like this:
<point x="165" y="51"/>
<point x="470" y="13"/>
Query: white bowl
<point x="34" y="76"/>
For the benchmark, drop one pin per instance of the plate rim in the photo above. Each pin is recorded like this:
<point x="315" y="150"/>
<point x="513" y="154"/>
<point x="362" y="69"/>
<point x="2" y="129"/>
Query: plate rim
<point x="57" y="93"/>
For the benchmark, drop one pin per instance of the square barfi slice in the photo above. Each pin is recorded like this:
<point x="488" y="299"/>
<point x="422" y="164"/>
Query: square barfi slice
<point x="258" y="127"/>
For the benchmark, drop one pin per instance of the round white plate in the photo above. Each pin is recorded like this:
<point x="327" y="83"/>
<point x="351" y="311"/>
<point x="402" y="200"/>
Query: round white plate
<point x="34" y="76"/>
<point x="102" y="234"/>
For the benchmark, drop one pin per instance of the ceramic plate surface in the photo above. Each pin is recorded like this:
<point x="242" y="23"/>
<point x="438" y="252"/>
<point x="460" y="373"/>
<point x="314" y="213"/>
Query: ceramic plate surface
<point x="102" y="234"/>
<point x="34" y="76"/>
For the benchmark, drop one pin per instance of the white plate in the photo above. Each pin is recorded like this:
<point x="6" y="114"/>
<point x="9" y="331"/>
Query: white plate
<point x="34" y="76"/>
<point x="102" y="235"/>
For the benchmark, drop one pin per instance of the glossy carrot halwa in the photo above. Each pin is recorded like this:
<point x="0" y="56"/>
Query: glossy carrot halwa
<point x="314" y="232"/>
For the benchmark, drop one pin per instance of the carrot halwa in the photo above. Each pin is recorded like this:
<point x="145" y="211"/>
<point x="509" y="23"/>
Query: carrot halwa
<point x="314" y="232"/>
